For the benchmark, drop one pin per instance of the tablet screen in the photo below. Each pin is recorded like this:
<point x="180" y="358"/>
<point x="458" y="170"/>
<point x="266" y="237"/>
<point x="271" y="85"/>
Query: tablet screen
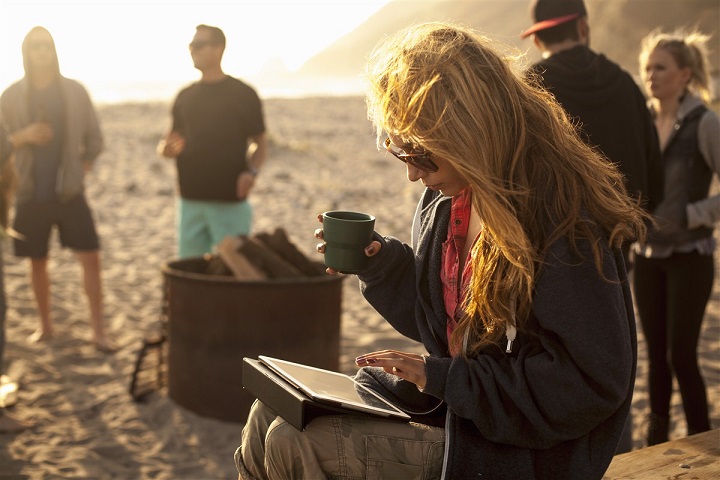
<point x="330" y="386"/>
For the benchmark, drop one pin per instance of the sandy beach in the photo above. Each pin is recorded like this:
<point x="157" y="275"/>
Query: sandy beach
<point x="322" y="157"/>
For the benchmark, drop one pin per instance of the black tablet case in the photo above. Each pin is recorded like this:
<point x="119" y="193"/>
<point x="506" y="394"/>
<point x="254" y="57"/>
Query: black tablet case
<point x="284" y="399"/>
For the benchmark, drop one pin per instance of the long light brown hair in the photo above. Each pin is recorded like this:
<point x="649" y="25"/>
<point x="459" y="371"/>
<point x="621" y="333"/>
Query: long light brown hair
<point x="448" y="89"/>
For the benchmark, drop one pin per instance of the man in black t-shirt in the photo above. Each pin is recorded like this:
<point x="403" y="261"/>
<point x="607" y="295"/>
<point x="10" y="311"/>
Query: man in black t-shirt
<point x="218" y="140"/>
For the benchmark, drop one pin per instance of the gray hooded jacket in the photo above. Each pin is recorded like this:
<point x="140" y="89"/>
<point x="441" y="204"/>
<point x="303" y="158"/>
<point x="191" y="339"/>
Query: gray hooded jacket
<point x="82" y="142"/>
<point x="556" y="405"/>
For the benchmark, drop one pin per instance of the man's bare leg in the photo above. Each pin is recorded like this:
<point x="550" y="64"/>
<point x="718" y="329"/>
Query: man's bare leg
<point x="92" y="282"/>
<point x="40" y="279"/>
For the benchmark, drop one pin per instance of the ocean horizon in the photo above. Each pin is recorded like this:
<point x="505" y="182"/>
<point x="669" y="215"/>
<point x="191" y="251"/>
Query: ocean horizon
<point x="118" y="92"/>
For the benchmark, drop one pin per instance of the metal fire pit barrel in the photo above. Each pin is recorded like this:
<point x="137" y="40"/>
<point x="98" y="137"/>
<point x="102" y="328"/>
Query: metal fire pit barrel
<point x="215" y="321"/>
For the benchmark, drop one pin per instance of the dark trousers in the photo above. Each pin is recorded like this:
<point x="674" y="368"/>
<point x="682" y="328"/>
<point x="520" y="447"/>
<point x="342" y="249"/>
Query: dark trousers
<point x="671" y="295"/>
<point x="626" y="439"/>
<point x="3" y="312"/>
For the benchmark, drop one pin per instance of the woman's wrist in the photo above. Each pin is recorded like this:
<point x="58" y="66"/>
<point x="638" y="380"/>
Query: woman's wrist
<point x="424" y="359"/>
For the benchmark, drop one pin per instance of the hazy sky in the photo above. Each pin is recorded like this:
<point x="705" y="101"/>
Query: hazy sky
<point x="110" y="41"/>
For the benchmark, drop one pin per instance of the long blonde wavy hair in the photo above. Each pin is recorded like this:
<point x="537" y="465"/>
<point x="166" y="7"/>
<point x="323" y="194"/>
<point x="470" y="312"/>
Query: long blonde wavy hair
<point x="446" y="88"/>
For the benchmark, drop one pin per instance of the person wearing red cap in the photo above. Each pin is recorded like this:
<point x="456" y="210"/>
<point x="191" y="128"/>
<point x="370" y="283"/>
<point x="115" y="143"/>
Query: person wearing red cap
<point x="603" y="99"/>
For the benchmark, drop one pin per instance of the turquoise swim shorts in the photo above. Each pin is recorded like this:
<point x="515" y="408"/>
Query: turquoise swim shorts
<point x="203" y="224"/>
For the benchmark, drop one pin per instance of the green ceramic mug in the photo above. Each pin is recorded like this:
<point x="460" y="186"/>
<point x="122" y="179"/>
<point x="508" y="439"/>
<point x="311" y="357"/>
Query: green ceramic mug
<point x="346" y="235"/>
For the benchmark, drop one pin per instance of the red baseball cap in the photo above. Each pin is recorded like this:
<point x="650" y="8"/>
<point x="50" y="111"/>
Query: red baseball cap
<point x="551" y="13"/>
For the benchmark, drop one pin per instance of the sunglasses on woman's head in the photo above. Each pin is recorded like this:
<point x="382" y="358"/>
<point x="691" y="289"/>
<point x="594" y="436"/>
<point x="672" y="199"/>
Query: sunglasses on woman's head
<point x="418" y="158"/>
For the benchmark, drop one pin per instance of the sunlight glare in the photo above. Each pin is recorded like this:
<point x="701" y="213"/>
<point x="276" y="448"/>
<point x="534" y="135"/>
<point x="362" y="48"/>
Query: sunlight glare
<point x="105" y="42"/>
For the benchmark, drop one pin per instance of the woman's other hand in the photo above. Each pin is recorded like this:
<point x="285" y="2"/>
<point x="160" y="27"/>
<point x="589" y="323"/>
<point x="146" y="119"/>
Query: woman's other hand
<point x="408" y="366"/>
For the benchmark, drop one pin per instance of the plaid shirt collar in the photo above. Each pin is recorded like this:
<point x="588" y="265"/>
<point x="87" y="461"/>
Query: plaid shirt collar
<point x="454" y="283"/>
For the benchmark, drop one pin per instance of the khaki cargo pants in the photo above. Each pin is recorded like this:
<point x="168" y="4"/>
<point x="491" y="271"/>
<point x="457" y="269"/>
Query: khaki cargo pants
<point x="348" y="447"/>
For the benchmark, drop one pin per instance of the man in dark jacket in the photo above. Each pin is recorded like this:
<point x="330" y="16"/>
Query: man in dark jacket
<point x="602" y="99"/>
<point x="598" y="94"/>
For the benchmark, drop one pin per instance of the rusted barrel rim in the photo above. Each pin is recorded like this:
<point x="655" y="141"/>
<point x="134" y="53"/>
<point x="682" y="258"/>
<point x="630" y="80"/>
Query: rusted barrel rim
<point x="167" y="269"/>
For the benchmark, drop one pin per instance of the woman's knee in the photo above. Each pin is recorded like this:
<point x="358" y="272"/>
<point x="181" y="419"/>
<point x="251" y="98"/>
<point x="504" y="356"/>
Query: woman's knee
<point x="281" y="437"/>
<point x="259" y="418"/>
<point x="256" y="427"/>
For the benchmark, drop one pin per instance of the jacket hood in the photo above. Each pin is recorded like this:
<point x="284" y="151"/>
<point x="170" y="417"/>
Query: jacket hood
<point x="689" y="103"/>
<point x="585" y="77"/>
<point x="26" y="52"/>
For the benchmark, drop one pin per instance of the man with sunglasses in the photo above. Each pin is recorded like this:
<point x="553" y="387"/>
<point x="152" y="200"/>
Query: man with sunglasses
<point x="218" y="140"/>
